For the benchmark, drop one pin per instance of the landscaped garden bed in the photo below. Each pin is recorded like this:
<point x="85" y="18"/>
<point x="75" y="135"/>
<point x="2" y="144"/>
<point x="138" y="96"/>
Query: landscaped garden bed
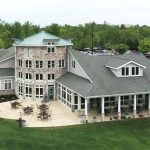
<point x="5" y="98"/>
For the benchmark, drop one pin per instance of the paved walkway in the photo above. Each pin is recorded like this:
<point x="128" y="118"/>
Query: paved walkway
<point x="61" y="116"/>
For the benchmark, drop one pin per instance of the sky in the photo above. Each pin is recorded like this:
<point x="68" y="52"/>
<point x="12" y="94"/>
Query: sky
<point x="74" y="12"/>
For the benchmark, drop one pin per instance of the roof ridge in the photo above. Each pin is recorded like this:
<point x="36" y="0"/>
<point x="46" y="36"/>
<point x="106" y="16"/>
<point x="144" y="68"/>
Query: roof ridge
<point x="120" y="58"/>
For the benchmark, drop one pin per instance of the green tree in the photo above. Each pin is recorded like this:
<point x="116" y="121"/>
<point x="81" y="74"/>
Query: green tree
<point x="2" y="44"/>
<point x="121" y="48"/>
<point x="144" y="45"/>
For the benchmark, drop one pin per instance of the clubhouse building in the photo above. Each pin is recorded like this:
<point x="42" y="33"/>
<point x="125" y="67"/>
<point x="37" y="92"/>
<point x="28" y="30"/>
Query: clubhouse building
<point x="45" y="66"/>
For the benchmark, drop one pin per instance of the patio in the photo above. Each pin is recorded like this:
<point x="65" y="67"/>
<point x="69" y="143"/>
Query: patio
<point x="61" y="116"/>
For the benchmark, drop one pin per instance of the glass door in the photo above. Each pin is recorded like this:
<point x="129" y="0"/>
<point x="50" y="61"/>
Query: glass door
<point x="51" y="92"/>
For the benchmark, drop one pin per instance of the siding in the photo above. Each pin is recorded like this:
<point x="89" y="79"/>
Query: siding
<point x="78" y="69"/>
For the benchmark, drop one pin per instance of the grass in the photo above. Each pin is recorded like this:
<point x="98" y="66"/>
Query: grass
<point x="117" y="135"/>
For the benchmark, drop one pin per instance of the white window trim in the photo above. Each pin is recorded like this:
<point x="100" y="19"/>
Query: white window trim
<point x="51" y="62"/>
<point x="27" y="66"/>
<point x="38" y="66"/>
<point x="28" y="74"/>
<point x="39" y="86"/>
<point x="20" y="91"/>
<point x="51" y="49"/>
<point x="28" y="86"/>
<point x="130" y="72"/>
<point x="61" y="63"/>
<point x="73" y="64"/>
<point x="10" y="82"/>
<point x="20" y="75"/>
<point x="51" y="77"/>
<point x="39" y="77"/>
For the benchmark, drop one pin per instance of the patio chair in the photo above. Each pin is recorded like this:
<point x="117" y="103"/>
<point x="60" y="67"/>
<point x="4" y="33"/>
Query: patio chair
<point x="38" y="116"/>
<point x="37" y="106"/>
<point x="45" y="117"/>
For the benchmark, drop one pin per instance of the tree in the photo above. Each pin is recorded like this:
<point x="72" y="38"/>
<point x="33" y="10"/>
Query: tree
<point x="144" y="45"/>
<point x="17" y="30"/>
<point x="54" y="29"/>
<point x="2" y="44"/>
<point x="121" y="48"/>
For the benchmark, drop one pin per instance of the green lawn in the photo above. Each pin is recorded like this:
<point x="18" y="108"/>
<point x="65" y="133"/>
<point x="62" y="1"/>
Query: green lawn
<point x="117" y="135"/>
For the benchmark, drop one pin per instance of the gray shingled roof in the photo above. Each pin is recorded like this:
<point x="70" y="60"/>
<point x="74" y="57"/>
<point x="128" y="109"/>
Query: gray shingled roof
<point x="73" y="81"/>
<point x="104" y="81"/>
<point x="7" y="72"/>
<point x="7" y="53"/>
<point x="116" y="62"/>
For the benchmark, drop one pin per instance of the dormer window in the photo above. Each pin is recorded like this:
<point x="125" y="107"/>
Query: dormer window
<point x="125" y="68"/>
<point x="135" y="71"/>
<point x="51" y="43"/>
<point x="125" y="71"/>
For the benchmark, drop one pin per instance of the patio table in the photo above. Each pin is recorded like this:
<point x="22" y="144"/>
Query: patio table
<point x="28" y="110"/>
<point x="15" y="104"/>
<point x="43" y="106"/>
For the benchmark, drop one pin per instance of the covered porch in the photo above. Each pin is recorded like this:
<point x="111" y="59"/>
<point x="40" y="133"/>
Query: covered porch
<point x="118" y="107"/>
<point x="104" y="108"/>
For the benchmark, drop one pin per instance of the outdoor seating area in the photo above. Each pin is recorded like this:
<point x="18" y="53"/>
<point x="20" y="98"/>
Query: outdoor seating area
<point x="15" y="104"/>
<point x="38" y="113"/>
<point x="43" y="112"/>
<point x="28" y="110"/>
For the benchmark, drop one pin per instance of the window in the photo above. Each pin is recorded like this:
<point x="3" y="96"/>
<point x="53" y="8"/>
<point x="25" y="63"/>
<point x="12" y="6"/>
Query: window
<point x="20" y="75"/>
<point x="39" y="91"/>
<point x="8" y="84"/>
<point x="137" y="70"/>
<point x="125" y="71"/>
<point x="39" y="64"/>
<point x="64" y="94"/>
<point x="28" y="76"/>
<point x="39" y="76"/>
<point x="51" y="43"/>
<point x="59" y="92"/>
<point x="68" y="100"/>
<point x="61" y="63"/>
<point x="133" y="70"/>
<point x="28" y="63"/>
<point x="51" y="76"/>
<point x="73" y="64"/>
<point x="28" y="90"/>
<point x="20" y="63"/>
<point x="20" y="89"/>
<point x="51" y="49"/>
<point x="51" y="64"/>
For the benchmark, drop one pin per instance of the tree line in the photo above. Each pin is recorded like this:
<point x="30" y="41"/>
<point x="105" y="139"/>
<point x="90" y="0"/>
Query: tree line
<point x="118" y="37"/>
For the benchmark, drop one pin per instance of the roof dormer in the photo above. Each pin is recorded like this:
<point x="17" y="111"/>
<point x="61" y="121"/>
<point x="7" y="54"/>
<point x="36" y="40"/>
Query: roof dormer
<point x="125" y="68"/>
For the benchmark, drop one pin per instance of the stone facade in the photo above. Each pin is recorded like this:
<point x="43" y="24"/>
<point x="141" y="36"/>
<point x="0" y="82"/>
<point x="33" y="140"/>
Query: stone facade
<point x="38" y="54"/>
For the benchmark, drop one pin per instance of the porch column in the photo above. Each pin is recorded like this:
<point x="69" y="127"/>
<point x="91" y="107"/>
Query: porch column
<point x="86" y="109"/>
<point x="61" y="92"/>
<point x="79" y="102"/>
<point x="149" y="105"/>
<point x="72" y="101"/>
<point x="102" y="109"/>
<point x="119" y="107"/>
<point x="134" y="107"/>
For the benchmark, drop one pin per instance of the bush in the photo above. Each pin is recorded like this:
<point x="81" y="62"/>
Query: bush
<point x="5" y="98"/>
